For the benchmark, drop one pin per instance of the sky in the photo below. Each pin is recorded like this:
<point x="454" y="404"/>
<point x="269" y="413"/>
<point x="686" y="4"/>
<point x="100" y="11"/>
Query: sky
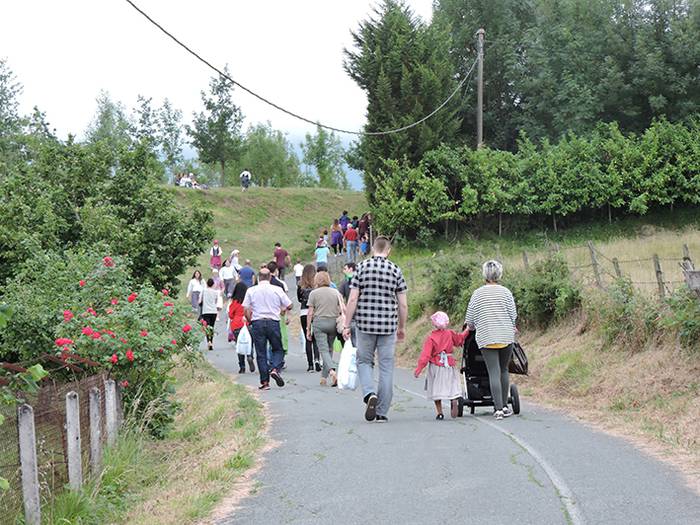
<point x="64" y="53"/>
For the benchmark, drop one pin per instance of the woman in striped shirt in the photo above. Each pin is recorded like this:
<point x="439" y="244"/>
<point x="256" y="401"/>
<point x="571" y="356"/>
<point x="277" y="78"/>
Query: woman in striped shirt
<point x="491" y="312"/>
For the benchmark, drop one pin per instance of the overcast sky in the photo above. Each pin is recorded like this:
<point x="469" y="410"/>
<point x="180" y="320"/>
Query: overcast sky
<point x="65" y="52"/>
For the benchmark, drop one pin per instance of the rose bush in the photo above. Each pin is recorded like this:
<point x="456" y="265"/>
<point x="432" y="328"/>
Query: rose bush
<point x="82" y="307"/>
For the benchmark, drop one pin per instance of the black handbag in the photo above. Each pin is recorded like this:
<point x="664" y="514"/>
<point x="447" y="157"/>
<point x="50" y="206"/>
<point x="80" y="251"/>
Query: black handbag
<point x="518" y="360"/>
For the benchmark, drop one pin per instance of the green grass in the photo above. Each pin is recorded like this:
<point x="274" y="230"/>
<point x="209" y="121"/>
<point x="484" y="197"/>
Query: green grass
<point x="570" y="371"/>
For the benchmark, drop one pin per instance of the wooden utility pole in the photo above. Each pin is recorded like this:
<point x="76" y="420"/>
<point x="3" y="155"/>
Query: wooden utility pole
<point x="480" y="90"/>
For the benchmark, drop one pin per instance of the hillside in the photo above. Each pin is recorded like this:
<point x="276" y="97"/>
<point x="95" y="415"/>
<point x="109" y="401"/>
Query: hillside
<point x="253" y="221"/>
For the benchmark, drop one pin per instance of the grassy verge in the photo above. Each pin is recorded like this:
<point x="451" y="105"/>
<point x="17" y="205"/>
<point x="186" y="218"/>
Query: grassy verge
<point x="180" y="479"/>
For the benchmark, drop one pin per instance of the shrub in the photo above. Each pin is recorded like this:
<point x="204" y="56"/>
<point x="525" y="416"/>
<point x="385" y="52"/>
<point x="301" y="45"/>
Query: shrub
<point x="453" y="281"/>
<point x="545" y="293"/>
<point x="86" y="306"/>
<point x="684" y="317"/>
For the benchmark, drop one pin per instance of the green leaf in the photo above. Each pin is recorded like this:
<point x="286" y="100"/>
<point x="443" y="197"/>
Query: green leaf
<point x="4" y="484"/>
<point x="37" y="372"/>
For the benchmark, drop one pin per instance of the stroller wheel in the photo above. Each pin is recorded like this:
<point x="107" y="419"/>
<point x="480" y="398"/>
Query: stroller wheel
<point x="515" y="399"/>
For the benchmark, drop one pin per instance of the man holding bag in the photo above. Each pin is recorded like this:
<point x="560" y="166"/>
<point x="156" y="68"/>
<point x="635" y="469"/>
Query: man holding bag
<point x="379" y="306"/>
<point x="263" y="304"/>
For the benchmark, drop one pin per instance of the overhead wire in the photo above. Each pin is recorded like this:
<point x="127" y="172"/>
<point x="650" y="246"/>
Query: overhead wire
<point x="291" y="113"/>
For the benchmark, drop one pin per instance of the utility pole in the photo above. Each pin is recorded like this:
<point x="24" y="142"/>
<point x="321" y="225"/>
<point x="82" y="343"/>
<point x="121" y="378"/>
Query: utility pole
<point x="480" y="90"/>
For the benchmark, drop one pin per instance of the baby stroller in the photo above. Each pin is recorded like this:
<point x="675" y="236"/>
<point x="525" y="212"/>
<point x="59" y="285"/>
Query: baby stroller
<point x="475" y="379"/>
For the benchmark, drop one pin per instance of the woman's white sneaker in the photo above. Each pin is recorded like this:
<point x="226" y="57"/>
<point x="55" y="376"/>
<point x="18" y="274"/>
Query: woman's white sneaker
<point x="498" y="414"/>
<point x="507" y="412"/>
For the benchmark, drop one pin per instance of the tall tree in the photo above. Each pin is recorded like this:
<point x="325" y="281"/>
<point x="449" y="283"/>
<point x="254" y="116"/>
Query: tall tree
<point x="110" y="127"/>
<point x="10" y="90"/>
<point x="144" y="122"/>
<point x="169" y="133"/>
<point x="324" y="153"/>
<point x="216" y="132"/>
<point x="404" y="67"/>
<point x="269" y="156"/>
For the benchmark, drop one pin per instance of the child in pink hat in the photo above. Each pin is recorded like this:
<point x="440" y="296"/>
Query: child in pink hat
<point x="443" y="375"/>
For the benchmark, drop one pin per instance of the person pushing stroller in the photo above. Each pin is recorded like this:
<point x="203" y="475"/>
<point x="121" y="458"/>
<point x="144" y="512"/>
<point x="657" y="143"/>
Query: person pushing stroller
<point x="443" y="375"/>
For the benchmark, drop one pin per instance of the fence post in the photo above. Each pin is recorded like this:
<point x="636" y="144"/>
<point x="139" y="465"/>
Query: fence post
<point x="686" y="252"/>
<point x="75" y="463"/>
<point x="111" y="411"/>
<point x="95" y="431"/>
<point x="526" y="261"/>
<point x="29" y="469"/>
<point x="659" y="277"/>
<point x="616" y="265"/>
<point x="594" y="262"/>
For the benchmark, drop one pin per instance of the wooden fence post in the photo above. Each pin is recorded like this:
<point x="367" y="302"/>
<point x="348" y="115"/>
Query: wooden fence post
<point x="75" y="463"/>
<point x="686" y="252"/>
<point x="616" y="265"/>
<point x="526" y="261"/>
<point x="28" y="464"/>
<point x="594" y="262"/>
<point x="95" y="431"/>
<point x="111" y="411"/>
<point x="659" y="277"/>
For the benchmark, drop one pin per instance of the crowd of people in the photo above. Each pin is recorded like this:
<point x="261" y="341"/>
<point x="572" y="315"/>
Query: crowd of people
<point x="368" y="306"/>
<point x="188" y="180"/>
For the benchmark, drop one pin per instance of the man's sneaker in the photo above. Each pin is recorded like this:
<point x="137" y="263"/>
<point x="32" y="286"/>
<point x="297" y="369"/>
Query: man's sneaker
<point x="264" y="386"/>
<point x="382" y="419"/>
<point x="507" y="412"/>
<point x="498" y="414"/>
<point x="318" y="366"/>
<point x="277" y="377"/>
<point x="371" y="410"/>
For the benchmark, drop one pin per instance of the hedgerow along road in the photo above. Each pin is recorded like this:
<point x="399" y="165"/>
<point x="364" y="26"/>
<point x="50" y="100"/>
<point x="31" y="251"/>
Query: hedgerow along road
<point x="329" y="465"/>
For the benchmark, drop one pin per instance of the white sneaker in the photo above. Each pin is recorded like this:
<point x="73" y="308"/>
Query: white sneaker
<point x="498" y="414"/>
<point x="507" y="412"/>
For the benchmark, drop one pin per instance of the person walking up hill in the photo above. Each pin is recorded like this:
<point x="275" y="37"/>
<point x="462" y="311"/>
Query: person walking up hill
<point x="281" y="258"/>
<point x="379" y="306"/>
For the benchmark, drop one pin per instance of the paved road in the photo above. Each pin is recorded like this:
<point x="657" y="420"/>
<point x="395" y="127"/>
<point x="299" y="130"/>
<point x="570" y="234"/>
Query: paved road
<point x="331" y="466"/>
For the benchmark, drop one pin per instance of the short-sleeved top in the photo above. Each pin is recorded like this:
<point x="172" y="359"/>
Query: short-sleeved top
<point x="246" y="274"/>
<point x="322" y="254"/>
<point x="325" y="302"/>
<point x="351" y="234"/>
<point x="280" y="256"/>
<point x="266" y="301"/>
<point x="379" y="282"/>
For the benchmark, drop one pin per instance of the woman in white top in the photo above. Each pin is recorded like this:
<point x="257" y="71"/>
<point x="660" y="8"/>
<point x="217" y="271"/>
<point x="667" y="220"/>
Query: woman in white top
<point x="211" y="305"/>
<point x="229" y="276"/>
<point x="194" y="289"/>
<point x="234" y="260"/>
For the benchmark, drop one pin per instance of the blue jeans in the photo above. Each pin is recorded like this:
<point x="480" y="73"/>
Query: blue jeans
<point x="383" y="345"/>
<point x="264" y="331"/>
<point x="351" y="246"/>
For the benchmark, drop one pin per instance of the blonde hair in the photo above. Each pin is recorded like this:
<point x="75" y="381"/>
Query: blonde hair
<point x="322" y="279"/>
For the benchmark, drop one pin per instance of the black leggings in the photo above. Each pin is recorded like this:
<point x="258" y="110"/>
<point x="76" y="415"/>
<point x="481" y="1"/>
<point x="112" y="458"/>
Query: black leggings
<point x="211" y="321"/>
<point x="311" y="348"/>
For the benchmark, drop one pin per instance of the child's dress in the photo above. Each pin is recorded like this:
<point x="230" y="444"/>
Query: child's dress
<point x="443" y="375"/>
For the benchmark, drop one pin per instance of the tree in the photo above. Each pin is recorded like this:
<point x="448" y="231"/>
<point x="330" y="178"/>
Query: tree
<point x="216" y="133"/>
<point x="10" y="90"/>
<point x="110" y="127"/>
<point x="170" y="135"/>
<point x="404" y="67"/>
<point x="325" y="154"/>
<point x="145" y="123"/>
<point x="269" y="156"/>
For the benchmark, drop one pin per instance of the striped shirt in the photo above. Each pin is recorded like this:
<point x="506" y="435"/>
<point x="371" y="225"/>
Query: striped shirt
<point x="380" y="282"/>
<point x="492" y="313"/>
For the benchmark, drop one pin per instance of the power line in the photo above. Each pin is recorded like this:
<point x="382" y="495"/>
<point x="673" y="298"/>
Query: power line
<point x="291" y="113"/>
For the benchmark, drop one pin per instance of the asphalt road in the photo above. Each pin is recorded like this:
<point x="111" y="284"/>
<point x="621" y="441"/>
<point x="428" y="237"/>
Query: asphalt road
<point x="331" y="466"/>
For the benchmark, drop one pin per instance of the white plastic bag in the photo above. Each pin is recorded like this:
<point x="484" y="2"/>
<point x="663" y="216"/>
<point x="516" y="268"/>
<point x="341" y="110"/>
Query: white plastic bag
<point x="347" y="367"/>
<point x="244" y="344"/>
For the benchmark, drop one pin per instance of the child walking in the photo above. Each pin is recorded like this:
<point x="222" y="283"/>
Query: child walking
<point x="443" y="376"/>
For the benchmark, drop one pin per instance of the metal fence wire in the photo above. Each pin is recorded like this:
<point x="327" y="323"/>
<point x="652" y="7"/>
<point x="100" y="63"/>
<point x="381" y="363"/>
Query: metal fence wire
<point x="49" y="406"/>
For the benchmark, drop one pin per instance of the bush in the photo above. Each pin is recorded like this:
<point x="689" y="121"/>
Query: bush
<point x="626" y="316"/>
<point x="684" y="317"/>
<point x="453" y="281"/>
<point x="86" y="306"/>
<point x="545" y="293"/>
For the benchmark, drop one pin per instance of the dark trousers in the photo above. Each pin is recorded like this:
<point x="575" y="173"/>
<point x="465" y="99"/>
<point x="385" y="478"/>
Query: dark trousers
<point x="264" y="331"/>
<point x="211" y="321"/>
<point x="312" y="354"/>
<point x="280" y="275"/>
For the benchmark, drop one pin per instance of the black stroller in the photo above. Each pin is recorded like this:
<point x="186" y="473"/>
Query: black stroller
<point x="475" y="378"/>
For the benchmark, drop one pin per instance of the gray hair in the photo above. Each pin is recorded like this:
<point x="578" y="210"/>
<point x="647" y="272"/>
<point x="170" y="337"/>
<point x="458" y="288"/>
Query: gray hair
<point x="492" y="271"/>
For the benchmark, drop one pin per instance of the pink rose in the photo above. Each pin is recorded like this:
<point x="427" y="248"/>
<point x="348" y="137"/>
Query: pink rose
<point x="186" y="328"/>
<point x="130" y="355"/>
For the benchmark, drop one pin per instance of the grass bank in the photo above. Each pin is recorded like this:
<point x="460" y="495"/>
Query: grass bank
<point x="182" y="478"/>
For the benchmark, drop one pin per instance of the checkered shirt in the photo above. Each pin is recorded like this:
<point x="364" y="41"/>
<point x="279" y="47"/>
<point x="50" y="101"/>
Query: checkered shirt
<point x="379" y="282"/>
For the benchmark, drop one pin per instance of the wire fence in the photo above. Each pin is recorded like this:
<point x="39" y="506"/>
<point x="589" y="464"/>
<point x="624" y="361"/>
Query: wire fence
<point x="49" y="406"/>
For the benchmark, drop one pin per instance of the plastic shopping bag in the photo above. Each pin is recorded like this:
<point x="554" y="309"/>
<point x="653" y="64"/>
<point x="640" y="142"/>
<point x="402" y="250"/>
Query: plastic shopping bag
<point x="244" y="343"/>
<point x="347" y="367"/>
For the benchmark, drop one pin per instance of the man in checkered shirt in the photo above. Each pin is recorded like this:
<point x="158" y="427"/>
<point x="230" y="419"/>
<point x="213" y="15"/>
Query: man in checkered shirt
<point x="380" y="308"/>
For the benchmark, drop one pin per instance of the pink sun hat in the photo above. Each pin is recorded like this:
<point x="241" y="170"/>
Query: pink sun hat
<point x="440" y="320"/>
